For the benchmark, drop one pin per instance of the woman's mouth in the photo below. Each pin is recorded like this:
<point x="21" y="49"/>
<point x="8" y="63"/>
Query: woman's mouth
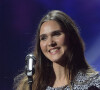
<point x="54" y="51"/>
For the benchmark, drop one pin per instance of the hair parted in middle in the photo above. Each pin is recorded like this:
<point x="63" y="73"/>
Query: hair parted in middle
<point x="75" y="59"/>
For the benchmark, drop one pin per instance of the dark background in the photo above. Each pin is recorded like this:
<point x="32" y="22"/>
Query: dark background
<point x="18" y="23"/>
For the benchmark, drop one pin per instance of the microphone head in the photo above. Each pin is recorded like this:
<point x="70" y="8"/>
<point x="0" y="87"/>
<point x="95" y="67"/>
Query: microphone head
<point x="30" y="64"/>
<point x="30" y="56"/>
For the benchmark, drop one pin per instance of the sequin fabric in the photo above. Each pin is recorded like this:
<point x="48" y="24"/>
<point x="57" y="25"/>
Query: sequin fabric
<point x="82" y="82"/>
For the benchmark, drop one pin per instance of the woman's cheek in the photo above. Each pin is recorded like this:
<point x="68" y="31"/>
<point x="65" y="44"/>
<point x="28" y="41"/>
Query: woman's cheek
<point x="43" y="46"/>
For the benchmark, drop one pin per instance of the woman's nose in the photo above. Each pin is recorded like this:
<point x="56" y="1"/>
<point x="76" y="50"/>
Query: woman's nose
<point x="51" y="42"/>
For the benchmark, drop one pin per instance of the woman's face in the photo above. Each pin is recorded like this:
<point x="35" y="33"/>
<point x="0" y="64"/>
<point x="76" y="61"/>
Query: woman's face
<point x="53" y="41"/>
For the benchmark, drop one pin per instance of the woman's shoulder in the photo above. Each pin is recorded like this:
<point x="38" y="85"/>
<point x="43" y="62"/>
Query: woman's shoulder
<point x="87" y="76"/>
<point x="19" y="81"/>
<point x="82" y="81"/>
<point x="94" y="80"/>
<point x="89" y="80"/>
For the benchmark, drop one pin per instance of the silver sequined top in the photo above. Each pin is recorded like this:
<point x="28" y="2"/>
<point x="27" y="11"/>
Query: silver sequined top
<point x="82" y="82"/>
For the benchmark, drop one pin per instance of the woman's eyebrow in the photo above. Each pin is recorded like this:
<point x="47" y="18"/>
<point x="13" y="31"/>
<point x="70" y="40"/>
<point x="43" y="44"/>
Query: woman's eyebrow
<point x="57" y="31"/>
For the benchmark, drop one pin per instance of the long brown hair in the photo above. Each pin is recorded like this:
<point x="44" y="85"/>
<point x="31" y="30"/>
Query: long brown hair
<point x="75" y="56"/>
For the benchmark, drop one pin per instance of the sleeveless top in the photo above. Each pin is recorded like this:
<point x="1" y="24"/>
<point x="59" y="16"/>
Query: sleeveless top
<point x="81" y="82"/>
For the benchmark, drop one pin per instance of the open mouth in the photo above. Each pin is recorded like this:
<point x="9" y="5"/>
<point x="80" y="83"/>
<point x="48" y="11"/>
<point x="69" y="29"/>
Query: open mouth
<point x="54" y="51"/>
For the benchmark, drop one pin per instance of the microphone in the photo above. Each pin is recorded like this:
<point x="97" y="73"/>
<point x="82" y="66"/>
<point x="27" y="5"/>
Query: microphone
<point x="30" y="64"/>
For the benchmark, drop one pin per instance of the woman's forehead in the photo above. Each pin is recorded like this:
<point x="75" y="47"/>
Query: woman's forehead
<point x="49" y="26"/>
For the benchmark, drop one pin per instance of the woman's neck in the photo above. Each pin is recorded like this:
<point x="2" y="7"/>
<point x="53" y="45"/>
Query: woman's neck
<point x="60" y="75"/>
<point x="59" y="71"/>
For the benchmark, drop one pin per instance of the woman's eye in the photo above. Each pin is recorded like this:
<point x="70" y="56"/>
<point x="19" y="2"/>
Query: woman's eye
<point x="43" y="38"/>
<point x="57" y="33"/>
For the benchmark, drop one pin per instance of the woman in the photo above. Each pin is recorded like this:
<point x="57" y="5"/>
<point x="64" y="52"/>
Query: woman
<point x="60" y="61"/>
